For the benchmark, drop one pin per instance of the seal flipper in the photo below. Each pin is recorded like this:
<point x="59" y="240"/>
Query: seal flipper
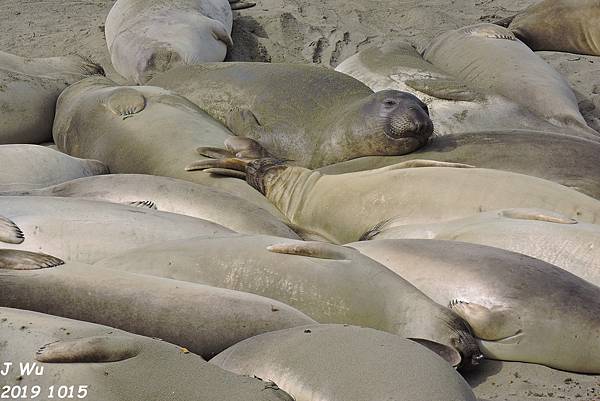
<point x="505" y="22"/>
<point x="13" y="259"/>
<point x="215" y="153"/>
<point x="448" y="353"/>
<point x="420" y="163"/>
<point x="126" y="102"/>
<point x="90" y="349"/>
<point x="492" y="324"/>
<point x="312" y="249"/>
<point x="443" y="88"/>
<point x="220" y="33"/>
<point x="243" y="122"/>
<point x="237" y="5"/>
<point x="10" y="232"/>
<point x="537" y="214"/>
<point x="143" y="204"/>
<point x="489" y="31"/>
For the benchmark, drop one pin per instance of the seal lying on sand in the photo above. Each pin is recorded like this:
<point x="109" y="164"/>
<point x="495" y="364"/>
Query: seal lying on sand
<point x="174" y="196"/>
<point x="141" y="130"/>
<point x="490" y="59"/>
<point x="559" y="25"/>
<point x="542" y="234"/>
<point x="566" y="160"/>
<point x="26" y="167"/>
<point x="337" y="362"/>
<point x="521" y="309"/>
<point x="331" y="284"/>
<point x="106" y="364"/>
<point x="444" y="193"/>
<point x="311" y="115"/>
<point x="29" y="89"/>
<point x="453" y="105"/>
<point x="84" y="230"/>
<point x="204" y="319"/>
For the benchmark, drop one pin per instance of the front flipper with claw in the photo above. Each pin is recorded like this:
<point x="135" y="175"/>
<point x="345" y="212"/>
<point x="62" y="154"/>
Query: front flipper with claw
<point x="490" y="324"/>
<point x="91" y="349"/>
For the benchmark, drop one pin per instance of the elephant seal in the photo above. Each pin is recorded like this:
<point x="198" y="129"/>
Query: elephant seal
<point x="566" y="160"/>
<point x="106" y="364"/>
<point x="311" y="115"/>
<point x="520" y="308"/>
<point x="173" y="196"/>
<point x="28" y="92"/>
<point x="453" y="105"/>
<point x="142" y="130"/>
<point x="490" y="59"/>
<point x="26" y="167"/>
<point x="331" y="284"/>
<point x="559" y="25"/>
<point x="87" y="231"/>
<point x="206" y="320"/>
<point x="328" y="362"/>
<point x="148" y="37"/>
<point x="542" y="234"/>
<point x="446" y="191"/>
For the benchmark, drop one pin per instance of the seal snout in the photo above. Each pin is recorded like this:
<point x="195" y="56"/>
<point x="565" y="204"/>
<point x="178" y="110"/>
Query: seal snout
<point x="406" y="116"/>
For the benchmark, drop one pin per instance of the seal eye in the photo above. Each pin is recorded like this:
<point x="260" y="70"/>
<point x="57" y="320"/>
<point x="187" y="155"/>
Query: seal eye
<point x="390" y="102"/>
<point x="425" y="108"/>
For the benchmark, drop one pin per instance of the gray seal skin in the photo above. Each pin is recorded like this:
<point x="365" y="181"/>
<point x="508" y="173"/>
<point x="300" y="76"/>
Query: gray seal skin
<point x="453" y="105"/>
<point x="26" y="167"/>
<point x="564" y="242"/>
<point x="339" y="362"/>
<point x="173" y="196"/>
<point x="206" y="320"/>
<point x="491" y="59"/>
<point x="87" y="231"/>
<point x="566" y="160"/>
<point x="559" y="25"/>
<point x="147" y="37"/>
<point x="142" y="130"/>
<point x="520" y="308"/>
<point x="311" y="115"/>
<point x="29" y="89"/>
<point x="446" y="191"/>
<point x="331" y="284"/>
<point x="112" y="363"/>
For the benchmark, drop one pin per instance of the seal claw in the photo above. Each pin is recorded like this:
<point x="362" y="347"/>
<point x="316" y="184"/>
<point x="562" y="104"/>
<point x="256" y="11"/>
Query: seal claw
<point x="10" y="232"/>
<point x="144" y="204"/>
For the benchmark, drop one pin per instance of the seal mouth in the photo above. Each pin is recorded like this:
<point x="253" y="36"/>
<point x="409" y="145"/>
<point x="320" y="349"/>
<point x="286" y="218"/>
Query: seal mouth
<point x="403" y="126"/>
<point x="466" y="345"/>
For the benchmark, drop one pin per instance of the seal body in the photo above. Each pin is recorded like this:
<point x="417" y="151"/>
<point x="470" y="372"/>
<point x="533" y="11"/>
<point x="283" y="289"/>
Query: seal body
<point x="491" y="59"/>
<point x="521" y="309"/>
<point x="29" y="89"/>
<point x="330" y="283"/>
<point x="310" y="115"/>
<point x="111" y="362"/>
<point x="84" y="230"/>
<point x="542" y="234"/>
<point x="328" y="362"/>
<point x="141" y="130"/>
<point x="26" y="167"/>
<point x="206" y="320"/>
<point x="173" y="196"/>
<point x="145" y="38"/>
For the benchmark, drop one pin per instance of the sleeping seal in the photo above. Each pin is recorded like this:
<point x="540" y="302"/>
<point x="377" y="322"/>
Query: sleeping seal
<point x="520" y="308"/>
<point x="311" y="115"/>
<point x="107" y="364"/>
<point x="542" y="234"/>
<point x="26" y="167"/>
<point x="490" y="59"/>
<point x="206" y="320"/>
<point x="330" y="362"/>
<point x="445" y="191"/>
<point x="331" y="284"/>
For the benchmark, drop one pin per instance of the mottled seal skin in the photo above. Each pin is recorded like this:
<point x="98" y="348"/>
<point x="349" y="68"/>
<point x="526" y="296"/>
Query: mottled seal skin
<point x="311" y="115"/>
<point x="331" y="284"/>
<point x="26" y="167"/>
<point x="85" y="230"/>
<point x="559" y="25"/>
<point x="520" y="308"/>
<point x="173" y="196"/>
<point x="564" y="242"/>
<point x="148" y="37"/>
<point x="491" y="59"/>
<point x="141" y="130"/>
<point x="453" y="105"/>
<point x="29" y="88"/>
<point x="330" y="362"/>
<point x="113" y="363"/>
<point x="206" y="320"/>
<point x="566" y="160"/>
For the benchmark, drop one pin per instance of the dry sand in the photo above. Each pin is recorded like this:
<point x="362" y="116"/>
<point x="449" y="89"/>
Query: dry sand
<point x="326" y="32"/>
